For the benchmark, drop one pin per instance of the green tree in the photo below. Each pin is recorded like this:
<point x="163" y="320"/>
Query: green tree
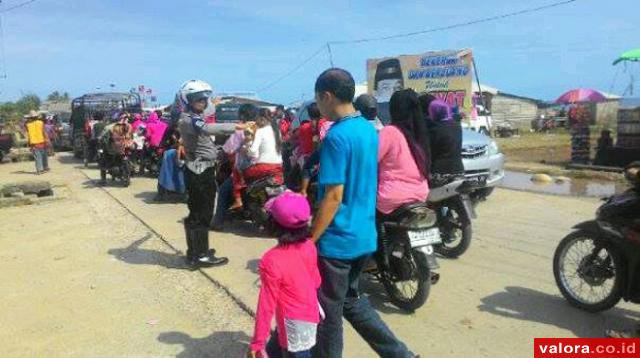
<point x="11" y="112"/>
<point x="57" y="96"/>
<point x="54" y="96"/>
<point x="28" y="102"/>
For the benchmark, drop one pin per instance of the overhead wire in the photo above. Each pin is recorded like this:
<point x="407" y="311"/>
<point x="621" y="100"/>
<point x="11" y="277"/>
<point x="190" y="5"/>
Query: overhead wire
<point x="17" y="6"/>
<point x="293" y="70"/>
<point x="458" y="25"/>
<point x="327" y="45"/>
<point x="3" y="57"/>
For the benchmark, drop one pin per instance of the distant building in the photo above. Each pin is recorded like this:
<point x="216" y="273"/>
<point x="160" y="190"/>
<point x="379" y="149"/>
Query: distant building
<point x="507" y="107"/>
<point x="56" y="107"/>
<point x="606" y="113"/>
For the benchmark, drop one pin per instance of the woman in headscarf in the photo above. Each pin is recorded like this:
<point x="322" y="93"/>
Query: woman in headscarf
<point x="403" y="154"/>
<point x="155" y="130"/>
<point x="137" y="122"/>
<point x="445" y="135"/>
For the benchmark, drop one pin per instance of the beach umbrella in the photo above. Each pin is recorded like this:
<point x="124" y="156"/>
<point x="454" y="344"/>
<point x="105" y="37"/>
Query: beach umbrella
<point x="581" y="95"/>
<point x="631" y="55"/>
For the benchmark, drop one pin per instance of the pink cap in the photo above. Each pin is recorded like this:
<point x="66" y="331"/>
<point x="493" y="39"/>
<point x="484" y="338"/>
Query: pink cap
<point x="290" y="210"/>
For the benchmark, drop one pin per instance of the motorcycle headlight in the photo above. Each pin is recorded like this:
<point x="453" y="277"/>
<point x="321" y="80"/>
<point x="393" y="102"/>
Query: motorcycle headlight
<point x="493" y="148"/>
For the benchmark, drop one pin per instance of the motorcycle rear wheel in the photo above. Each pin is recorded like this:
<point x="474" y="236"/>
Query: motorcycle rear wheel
<point x="453" y="223"/>
<point x="585" y="275"/>
<point x="420" y="276"/>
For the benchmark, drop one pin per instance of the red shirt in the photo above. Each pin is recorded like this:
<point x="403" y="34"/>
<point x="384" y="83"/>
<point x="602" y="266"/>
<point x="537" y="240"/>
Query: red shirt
<point x="284" y="125"/>
<point x="305" y="138"/>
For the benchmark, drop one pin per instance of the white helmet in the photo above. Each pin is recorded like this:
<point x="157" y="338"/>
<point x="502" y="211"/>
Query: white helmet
<point x="193" y="90"/>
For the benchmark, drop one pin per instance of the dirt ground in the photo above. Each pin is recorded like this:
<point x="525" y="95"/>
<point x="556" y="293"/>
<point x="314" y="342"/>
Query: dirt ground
<point x="91" y="280"/>
<point x="81" y="277"/>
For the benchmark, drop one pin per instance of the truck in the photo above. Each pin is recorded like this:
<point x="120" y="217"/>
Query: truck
<point x="109" y="103"/>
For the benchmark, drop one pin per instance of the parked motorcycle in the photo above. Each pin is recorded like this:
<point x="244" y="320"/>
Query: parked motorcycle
<point x="454" y="209"/>
<point x="599" y="263"/>
<point x="405" y="260"/>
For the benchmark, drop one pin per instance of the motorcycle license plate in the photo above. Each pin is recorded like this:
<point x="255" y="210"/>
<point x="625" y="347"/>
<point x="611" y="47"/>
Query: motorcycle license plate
<point x="424" y="237"/>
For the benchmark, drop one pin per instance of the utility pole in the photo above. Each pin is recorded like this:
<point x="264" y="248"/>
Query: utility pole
<point x="330" y="54"/>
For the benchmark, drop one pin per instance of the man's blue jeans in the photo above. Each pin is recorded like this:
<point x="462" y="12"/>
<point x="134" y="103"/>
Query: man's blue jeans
<point x="339" y="296"/>
<point x="41" y="159"/>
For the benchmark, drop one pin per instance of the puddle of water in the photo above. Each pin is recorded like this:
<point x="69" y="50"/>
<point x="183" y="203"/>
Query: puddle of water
<point x="574" y="187"/>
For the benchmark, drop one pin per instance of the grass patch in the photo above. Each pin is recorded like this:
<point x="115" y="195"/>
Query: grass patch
<point x="550" y="148"/>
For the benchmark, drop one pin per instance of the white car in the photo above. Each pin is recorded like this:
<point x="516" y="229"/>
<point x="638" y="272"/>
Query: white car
<point x="482" y="123"/>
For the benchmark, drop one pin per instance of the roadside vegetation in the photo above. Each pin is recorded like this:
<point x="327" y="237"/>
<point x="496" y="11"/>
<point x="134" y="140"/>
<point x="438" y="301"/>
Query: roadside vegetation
<point x="548" y="153"/>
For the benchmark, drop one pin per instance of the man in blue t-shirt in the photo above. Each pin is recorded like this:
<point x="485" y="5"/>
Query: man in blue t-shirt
<point x="344" y="226"/>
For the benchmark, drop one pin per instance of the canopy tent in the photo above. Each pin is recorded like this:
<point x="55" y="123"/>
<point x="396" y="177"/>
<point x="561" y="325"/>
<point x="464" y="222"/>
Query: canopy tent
<point x="631" y="55"/>
<point x="581" y="95"/>
<point x="625" y="58"/>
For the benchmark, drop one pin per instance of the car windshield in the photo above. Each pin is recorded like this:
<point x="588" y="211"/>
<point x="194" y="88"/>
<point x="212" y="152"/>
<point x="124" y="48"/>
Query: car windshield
<point x="227" y="113"/>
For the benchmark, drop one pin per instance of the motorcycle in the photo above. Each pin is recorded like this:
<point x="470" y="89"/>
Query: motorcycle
<point x="89" y="151"/>
<point x="405" y="260"/>
<point x="454" y="210"/>
<point x="598" y="264"/>
<point x="254" y="196"/>
<point x="151" y="160"/>
<point x="118" y="166"/>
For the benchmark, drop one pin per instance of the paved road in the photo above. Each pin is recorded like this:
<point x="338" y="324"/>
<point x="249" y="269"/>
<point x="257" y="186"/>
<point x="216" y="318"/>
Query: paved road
<point x="491" y="302"/>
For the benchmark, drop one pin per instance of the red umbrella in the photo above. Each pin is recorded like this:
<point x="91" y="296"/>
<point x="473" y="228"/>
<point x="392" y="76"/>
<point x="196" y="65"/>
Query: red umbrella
<point x="581" y="95"/>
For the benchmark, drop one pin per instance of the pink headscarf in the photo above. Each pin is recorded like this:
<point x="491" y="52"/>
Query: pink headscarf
<point x="153" y="117"/>
<point x="155" y="129"/>
<point x="137" y="122"/>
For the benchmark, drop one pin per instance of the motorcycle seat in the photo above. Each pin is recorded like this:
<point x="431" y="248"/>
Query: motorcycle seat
<point x="446" y="191"/>
<point x="412" y="216"/>
<point x="263" y="182"/>
<point x="405" y="210"/>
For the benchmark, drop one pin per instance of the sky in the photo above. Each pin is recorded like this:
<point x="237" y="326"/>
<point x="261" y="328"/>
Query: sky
<point x="236" y="45"/>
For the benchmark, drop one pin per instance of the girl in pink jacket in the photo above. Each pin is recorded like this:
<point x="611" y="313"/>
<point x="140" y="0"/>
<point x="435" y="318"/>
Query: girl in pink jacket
<point x="290" y="279"/>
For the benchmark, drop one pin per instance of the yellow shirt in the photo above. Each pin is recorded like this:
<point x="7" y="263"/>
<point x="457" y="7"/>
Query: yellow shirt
<point x="35" y="132"/>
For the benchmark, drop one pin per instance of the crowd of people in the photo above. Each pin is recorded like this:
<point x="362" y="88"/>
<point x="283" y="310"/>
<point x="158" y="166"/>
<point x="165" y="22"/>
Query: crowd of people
<point x="363" y="171"/>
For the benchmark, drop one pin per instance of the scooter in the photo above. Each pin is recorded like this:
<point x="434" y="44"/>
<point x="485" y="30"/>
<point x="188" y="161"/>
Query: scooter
<point x="598" y="264"/>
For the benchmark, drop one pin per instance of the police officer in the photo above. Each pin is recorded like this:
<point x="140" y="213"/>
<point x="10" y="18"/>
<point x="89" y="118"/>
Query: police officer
<point x="201" y="151"/>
